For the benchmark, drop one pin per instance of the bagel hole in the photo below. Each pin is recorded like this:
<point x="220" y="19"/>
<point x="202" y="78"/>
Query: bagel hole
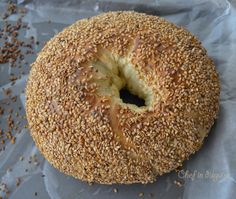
<point x="117" y="77"/>
<point x="129" y="98"/>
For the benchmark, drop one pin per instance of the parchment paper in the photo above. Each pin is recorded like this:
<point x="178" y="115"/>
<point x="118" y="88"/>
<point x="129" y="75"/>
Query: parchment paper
<point x="210" y="173"/>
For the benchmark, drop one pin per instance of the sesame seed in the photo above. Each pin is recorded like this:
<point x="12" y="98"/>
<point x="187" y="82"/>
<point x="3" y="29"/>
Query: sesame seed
<point x="141" y="194"/>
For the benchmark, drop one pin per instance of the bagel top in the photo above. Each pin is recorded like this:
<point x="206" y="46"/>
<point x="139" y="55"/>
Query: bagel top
<point x="81" y="125"/>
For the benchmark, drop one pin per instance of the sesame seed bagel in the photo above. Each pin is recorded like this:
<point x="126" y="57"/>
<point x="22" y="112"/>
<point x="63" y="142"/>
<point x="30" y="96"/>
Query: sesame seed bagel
<point x="82" y="126"/>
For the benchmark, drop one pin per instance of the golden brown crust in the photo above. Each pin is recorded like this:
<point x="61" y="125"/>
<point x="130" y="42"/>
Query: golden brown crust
<point x="93" y="138"/>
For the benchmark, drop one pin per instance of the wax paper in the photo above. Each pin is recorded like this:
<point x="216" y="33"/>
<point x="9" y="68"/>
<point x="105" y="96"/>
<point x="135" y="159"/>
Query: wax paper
<point x="210" y="173"/>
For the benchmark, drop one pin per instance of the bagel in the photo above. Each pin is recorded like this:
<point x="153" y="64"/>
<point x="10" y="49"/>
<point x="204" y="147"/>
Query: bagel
<point x="85" y="129"/>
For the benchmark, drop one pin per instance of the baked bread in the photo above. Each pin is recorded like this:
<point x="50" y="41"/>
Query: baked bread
<point x="82" y="126"/>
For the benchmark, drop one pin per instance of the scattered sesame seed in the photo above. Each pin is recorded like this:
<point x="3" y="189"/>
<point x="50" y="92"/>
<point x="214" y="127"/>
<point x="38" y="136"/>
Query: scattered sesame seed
<point x="178" y="183"/>
<point x="9" y="169"/>
<point x="18" y="181"/>
<point x="151" y="195"/>
<point x="141" y="194"/>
